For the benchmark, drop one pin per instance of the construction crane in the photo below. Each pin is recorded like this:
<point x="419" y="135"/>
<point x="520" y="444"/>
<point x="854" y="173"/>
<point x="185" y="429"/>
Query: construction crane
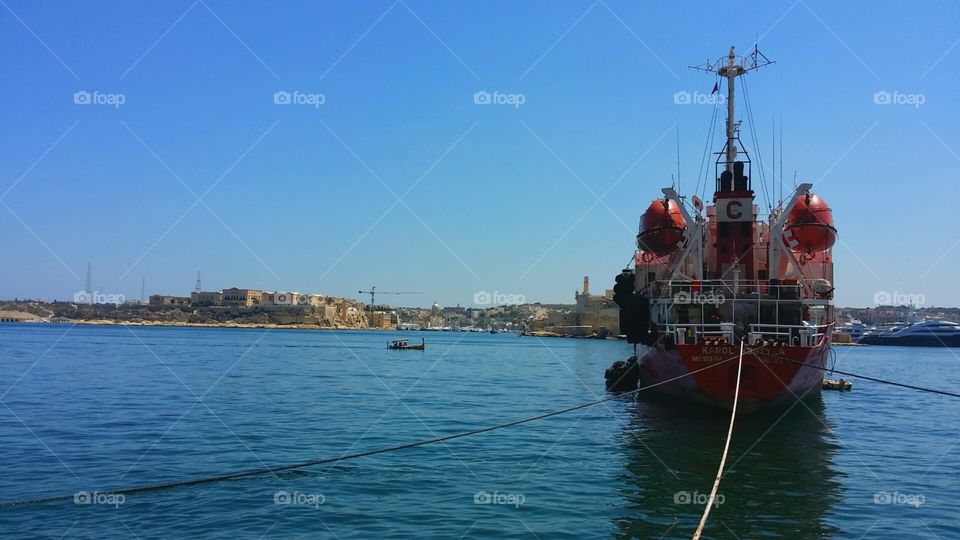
<point x="373" y="294"/>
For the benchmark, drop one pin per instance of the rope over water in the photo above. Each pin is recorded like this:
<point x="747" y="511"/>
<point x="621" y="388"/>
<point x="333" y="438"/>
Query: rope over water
<point x="345" y="457"/>
<point x="726" y="449"/>
<point x="874" y="379"/>
<point x="279" y="468"/>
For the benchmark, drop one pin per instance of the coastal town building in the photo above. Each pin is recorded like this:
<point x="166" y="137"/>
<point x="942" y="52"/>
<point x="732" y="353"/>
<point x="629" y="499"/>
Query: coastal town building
<point x="327" y="311"/>
<point x="203" y="298"/>
<point x="591" y="315"/>
<point x="435" y="319"/>
<point x="379" y="319"/>
<point x="311" y="300"/>
<point x="279" y="298"/>
<point x="164" y="300"/>
<point x="454" y="317"/>
<point x="242" y="297"/>
<point x="595" y="311"/>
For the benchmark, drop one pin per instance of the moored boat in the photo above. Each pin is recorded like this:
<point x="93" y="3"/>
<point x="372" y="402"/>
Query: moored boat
<point x="404" y="345"/>
<point x="854" y="328"/>
<point x="707" y="278"/>
<point x="927" y="333"/>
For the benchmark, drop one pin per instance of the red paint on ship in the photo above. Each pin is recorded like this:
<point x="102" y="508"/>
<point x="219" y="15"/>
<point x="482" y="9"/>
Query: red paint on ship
<point x="767" y="380"/>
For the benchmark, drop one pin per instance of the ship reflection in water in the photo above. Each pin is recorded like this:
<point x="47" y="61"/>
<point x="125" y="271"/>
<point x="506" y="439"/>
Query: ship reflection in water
<point x="780" y="480"/>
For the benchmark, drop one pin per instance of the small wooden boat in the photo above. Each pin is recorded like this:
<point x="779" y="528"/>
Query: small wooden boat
<point x="403" y="345"/>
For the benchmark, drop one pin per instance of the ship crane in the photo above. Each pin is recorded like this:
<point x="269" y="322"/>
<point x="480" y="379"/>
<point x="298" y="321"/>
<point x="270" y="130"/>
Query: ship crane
<point x="373" y="292"/>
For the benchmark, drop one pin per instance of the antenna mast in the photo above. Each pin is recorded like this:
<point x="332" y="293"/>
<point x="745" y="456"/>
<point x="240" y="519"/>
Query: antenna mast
<point x="89" y="285"/>
<point x="678" y="155"/>
<point x="731" y="67"/>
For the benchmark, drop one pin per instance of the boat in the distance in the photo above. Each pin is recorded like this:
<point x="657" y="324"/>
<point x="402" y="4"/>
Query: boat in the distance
<point x="707" y="278"/>
<point x="927" y="333"/>
<point x="404" y="345"/>
<point x="854" y="328"/>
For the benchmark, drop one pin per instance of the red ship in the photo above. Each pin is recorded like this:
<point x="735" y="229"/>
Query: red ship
<point x="708" y="278"/>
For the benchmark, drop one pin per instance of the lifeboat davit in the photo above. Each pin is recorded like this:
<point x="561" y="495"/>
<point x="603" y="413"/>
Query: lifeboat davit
<point x="810" y="225"/>
<point x="661" y="228"/>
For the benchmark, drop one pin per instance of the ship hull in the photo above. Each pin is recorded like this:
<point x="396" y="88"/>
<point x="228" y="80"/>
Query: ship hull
<point x="771" y="376"/>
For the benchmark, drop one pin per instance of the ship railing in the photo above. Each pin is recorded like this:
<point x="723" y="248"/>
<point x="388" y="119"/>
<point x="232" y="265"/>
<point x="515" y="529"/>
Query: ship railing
<point x="794" y="335"/>
<point x="691" y="334"/>
<point x="705" y="291"/>
<point x="760" y="334"/>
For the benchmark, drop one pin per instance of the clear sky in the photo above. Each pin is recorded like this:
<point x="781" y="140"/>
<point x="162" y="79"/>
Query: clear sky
<point x="399" y="180"/>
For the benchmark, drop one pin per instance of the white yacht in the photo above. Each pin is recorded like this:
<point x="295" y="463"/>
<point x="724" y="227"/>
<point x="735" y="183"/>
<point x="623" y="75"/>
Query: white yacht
<point x="927" y="333"/>
<point x="854" y="328"/>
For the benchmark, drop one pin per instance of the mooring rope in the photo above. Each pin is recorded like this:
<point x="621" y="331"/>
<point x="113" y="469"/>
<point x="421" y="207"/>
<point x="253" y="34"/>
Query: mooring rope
<point x="875" y="379"/>
<point x="345" y="457"/>
<point x="726" y="449"/>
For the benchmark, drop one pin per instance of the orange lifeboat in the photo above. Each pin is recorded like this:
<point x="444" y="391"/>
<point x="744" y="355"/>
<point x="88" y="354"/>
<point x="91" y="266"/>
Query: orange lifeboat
<point x="810" y="225"/>
<point x="661" y="228"/>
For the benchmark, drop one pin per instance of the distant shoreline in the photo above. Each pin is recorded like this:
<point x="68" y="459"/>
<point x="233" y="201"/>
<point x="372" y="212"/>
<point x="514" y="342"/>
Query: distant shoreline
<point x="268" y="326"/>
<point x="272" y="326"/>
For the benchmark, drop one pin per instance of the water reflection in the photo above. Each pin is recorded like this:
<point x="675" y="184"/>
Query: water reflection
<point x="781" y="481"/>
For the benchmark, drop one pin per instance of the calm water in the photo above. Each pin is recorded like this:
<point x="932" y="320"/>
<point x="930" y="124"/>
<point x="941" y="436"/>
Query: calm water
<point x="90" y="408"/>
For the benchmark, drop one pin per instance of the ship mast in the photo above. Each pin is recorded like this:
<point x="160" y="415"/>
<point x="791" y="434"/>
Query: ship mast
<point x="731" y="71"/>
<point x="730" y="68"/>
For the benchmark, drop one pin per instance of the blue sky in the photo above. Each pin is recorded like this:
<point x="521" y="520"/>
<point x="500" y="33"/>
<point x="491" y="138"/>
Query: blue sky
<point x="492" y="197"/>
